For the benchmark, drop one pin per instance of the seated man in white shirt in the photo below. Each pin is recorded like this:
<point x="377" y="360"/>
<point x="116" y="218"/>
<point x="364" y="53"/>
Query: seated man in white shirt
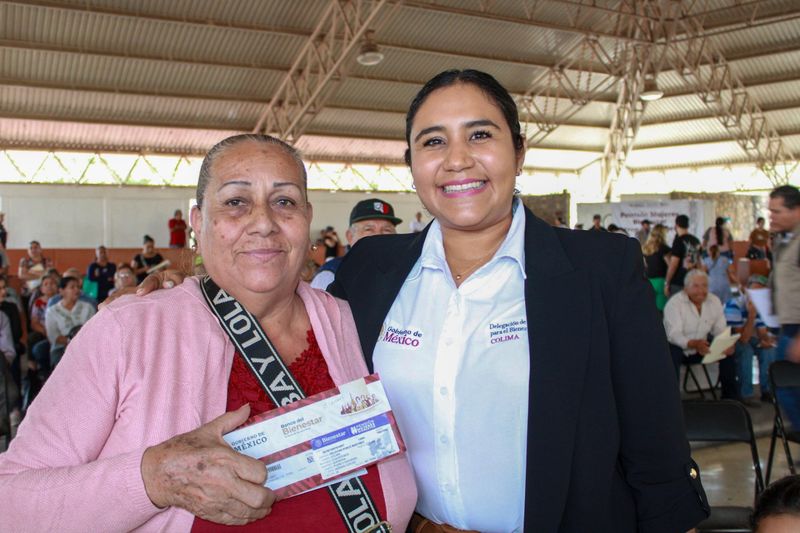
<point x="693" y="317"/>
<point x="368" y="217"/>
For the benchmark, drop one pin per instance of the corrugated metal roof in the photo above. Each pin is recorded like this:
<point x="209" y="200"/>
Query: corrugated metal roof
<point x="147" y="38"/>
<point x="476" y="36"/>
<point x="247" y="13"/>
<point x="576" y="138"/>
<point x="373" y="124"/>
<point x="99" y="106"/>
<point x="78" y="71"/>
<point x="45" y="134"/>
<point x="754" y="39"/>
<point x="212" y="67"/>
<point x="328" y="148"/>
<point x="681" y="156"/>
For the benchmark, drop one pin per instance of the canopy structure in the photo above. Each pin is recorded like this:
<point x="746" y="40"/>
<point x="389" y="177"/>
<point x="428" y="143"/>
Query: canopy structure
<point x="635" y="86"/>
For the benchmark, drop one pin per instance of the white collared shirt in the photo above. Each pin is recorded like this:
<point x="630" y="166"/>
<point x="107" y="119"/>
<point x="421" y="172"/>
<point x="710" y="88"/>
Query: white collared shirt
<point x="455" y="362"/>
<point x="683" y="323"/>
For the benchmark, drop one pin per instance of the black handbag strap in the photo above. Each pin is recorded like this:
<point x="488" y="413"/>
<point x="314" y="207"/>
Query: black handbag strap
<point x="351" y="498"/>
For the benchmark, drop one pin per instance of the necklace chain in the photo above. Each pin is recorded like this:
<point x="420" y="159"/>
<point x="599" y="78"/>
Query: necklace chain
<point x="481" y="260"/>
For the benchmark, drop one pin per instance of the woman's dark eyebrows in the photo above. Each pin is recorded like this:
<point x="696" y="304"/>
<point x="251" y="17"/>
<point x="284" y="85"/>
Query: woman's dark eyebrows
<point x="427" y="131"/>
<point x="482" y="122"/>
<point x="470" y="124"/>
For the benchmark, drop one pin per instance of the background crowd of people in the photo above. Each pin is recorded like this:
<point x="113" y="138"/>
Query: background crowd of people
<point x="710" y="295"/>
<point x="38" y="322"/>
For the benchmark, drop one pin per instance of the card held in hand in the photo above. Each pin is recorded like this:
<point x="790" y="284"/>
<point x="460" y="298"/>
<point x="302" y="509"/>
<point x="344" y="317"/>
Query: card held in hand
<point x="321" y="439"/>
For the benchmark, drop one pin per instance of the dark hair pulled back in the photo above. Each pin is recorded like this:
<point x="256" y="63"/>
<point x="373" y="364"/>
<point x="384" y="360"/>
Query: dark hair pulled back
<point x="483" y="81"/>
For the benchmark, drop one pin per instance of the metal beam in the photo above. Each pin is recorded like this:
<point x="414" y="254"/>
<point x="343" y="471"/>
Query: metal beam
<point x="721" y="90"/>
<point x="320" y="64"/>
<point x="127" y="92"/>
<point x="258" y="30"/>
<point x="755" y="18"/>
<point x="185" y="19"/>
<point x="237" y="99"/>
<point x="556" y="85"/>
<point x="766" y="108"/>
<point x="663" y="168"/>
<point x="118" y="119"/>
<point x="572" y="70"/>
<point x="588" y="29"/>
<point x="484" y="12"/>
<point x="786" y="132"/>
<point x="642" y="61"/>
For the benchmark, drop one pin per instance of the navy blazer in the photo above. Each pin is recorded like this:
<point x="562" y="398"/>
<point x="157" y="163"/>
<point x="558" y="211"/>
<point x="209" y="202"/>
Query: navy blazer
<point x="607" y="451"/>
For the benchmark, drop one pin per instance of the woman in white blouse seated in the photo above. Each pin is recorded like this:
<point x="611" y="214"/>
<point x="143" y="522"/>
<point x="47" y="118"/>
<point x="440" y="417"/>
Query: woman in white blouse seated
<point x="692" y="318"/>
<point x="62" y="318"/>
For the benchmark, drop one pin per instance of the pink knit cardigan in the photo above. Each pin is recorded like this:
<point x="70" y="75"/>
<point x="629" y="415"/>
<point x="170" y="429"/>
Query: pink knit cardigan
<point x="140" y="372"/>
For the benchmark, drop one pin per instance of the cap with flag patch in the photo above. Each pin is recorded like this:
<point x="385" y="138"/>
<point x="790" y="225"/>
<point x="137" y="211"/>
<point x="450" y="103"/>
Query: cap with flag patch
<point x="371" y="209"/>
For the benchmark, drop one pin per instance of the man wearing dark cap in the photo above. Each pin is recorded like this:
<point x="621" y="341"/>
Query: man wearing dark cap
<point x="368" y="217"/>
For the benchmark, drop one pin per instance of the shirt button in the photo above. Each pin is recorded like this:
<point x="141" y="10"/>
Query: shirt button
<point x="448" y="341"/>
<point x="443" y="391"/>
<point x="443" y="439"/>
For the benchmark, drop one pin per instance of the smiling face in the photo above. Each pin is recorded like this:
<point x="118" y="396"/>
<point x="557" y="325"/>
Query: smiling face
<point x="252" y="228"/>
<point x="463" y="158"/>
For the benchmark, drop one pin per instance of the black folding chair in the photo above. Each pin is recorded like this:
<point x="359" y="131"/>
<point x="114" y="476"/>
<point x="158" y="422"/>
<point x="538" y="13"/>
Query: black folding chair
<point x="724" y="421"/>
<point x="782" y="374"/>
<point x="690" y="373"/>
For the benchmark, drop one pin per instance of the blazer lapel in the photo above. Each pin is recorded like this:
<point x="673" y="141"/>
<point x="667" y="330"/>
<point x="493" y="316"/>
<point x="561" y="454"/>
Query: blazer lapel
<point x="559" y="313"/>
<point x="394" y="267"/>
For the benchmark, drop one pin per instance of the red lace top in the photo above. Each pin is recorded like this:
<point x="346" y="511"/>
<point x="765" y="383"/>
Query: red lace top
<point x="312" y="511"/>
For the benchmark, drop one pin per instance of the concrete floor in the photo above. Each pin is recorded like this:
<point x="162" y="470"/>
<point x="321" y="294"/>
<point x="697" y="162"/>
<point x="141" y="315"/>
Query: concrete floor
<point x="727" y="470"/>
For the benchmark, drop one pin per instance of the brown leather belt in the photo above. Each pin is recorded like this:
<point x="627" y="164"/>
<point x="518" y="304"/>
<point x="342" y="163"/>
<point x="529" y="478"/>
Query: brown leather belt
<point x="420" y="524"/>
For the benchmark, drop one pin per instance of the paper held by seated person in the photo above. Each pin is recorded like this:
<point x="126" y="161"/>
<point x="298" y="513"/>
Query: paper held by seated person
<point x="321" y="439"/>
<point x="162" y="265"/>
<point x="721" y="342"/>
<point x="762" y="300"/>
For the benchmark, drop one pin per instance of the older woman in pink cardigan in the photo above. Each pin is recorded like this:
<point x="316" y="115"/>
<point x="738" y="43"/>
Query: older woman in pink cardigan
<point x="127" y="433"/>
